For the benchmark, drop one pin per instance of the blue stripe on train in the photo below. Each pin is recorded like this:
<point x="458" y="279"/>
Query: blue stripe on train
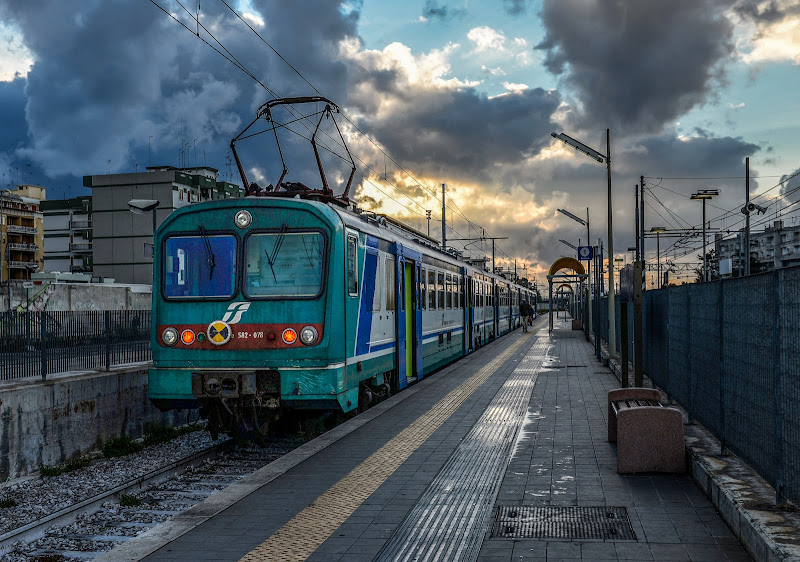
<point x="367" y="295"/>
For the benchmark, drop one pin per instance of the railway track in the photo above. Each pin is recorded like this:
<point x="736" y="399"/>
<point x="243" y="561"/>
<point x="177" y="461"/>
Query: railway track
<point x="88" y="528"/>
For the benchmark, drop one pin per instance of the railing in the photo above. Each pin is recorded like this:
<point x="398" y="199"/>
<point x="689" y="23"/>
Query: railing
<point x="23" y="247"/>
<point x="728" y="352"/>
<point x="38" y="344"/>
<point x="80" y="247"/>
<point x="22" y="229"/>
<point x="32" y="265"/>
<point x="79" y="225"/>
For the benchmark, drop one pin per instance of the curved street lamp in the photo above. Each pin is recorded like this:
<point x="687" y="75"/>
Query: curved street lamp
<point x="600" y="157"/>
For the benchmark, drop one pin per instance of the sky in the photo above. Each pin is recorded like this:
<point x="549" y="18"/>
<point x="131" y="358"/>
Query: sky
<point x="463" y="93"/>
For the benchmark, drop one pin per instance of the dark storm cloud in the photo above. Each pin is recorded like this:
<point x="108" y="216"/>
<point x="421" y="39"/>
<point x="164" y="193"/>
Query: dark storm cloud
<point x="760" y="12"/>
<point x="109" y="76"/>
<point x="12" y="114"/>
<point x="636" y="65"/>
<point x="432" y="10"/>
<point x="790" y="189"/>
<point x="461" y="132"/>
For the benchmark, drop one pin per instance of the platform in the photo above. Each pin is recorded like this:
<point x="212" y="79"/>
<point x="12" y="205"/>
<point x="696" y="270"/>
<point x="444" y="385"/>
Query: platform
<point x="502" y="456"/>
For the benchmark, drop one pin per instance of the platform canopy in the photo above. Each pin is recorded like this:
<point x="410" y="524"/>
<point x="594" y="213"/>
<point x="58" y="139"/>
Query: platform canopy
<point x="567" y="263"/>
<point x="578" y="275"/>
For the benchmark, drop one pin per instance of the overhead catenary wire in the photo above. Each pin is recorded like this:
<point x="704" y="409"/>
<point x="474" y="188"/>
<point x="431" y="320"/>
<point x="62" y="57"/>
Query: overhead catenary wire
<point x="233" y="60"/>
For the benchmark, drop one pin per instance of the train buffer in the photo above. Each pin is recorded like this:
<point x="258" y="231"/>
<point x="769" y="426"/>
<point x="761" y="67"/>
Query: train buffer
<point x="501" y="456"/>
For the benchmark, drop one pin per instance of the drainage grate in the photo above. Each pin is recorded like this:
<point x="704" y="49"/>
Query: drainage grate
<point x="551" y="522"/>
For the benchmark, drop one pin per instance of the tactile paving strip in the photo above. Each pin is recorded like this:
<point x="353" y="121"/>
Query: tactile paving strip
<point x="307" y="530"/>
<point x="557" y="522"/>
<point x="450" y="519"/>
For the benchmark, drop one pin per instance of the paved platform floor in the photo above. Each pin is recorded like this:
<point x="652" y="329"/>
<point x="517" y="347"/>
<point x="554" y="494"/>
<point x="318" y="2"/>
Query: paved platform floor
<point x="419" y="480"/>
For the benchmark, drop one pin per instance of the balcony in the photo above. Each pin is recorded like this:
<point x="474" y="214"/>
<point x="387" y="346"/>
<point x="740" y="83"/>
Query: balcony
<point x="80" y="248"/>
<point x="80" y="225"/>
<point x="33" y="266"/>
<point x="22" y="229"/>
<point x="80" y="269"/>
<point x="23" y="247"/>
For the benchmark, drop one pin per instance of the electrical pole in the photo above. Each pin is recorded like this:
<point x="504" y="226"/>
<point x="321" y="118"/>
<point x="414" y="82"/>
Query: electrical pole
<point x="444" y="222"/>
<point x="747" y="217"/>
<point x="612" y="333"/>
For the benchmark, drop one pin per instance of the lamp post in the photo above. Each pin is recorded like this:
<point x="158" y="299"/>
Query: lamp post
<point x="588" y="263"/>
<point x="571" y="245"/>
<point x="658" y="230"/>
<point x="602" y="158"/>
<point x="703" y="195"/>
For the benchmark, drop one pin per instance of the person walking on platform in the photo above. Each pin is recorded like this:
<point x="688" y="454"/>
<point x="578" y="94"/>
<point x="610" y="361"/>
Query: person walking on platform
<point x="525" y="312"/>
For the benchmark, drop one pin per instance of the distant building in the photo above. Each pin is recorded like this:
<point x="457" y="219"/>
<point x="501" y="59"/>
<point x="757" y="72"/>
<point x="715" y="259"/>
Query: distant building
<point x="21" y="232"/>
<point x="776" y="247"/>
<point x="120" y="239"/>
<point x="68" y="235"/>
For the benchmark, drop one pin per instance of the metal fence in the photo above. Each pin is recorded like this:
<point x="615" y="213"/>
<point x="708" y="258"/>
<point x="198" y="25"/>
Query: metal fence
<point x="728" y="352"/>
<point x="37" y="344"/>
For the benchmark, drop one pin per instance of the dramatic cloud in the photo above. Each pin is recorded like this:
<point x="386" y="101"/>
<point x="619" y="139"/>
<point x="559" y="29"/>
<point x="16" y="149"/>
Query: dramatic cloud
<point x="636" y="65"/>
<point x="516" y="7"/>
<point x="113" y="80"/>
<point x="487" y="39"/>
<point x="432" y="10"/>
<point x="772" y="34"/>
<point x="443" y="125"/>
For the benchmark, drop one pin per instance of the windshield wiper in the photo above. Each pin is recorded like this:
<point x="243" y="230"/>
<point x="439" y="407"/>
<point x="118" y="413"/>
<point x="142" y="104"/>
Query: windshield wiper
<point x="275" y="249"/>
<point x="209" y="252"/>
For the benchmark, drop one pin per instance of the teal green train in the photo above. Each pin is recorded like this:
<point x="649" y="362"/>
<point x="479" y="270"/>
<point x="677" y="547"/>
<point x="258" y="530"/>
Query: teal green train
<point x="292" y="299"/>
<point x="263" y="304"/>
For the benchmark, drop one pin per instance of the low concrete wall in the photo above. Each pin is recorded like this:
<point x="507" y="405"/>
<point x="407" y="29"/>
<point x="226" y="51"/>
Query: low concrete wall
<point x="48" y="422"/>
<point x="80" y="296"/>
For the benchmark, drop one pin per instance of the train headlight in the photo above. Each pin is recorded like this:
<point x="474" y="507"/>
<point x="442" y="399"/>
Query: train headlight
<point x="289" y="336"/>
<point x="308" y="335"/>
<point x="169" y="336"/>
<point x="243" y="219"/>
<point x="187" y="337"/>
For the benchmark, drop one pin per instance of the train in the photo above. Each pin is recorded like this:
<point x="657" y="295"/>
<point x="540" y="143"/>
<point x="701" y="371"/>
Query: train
<point x="295" y="300"/>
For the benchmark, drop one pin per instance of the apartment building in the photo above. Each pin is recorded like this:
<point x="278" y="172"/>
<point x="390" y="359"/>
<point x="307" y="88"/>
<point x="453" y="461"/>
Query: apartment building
<point x="21" y="232"/>
<point x="122" y="241"/>
<point x="68" y="235"/>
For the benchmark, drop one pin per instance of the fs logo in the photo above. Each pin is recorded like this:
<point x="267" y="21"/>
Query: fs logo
<point x="235" y="312"/>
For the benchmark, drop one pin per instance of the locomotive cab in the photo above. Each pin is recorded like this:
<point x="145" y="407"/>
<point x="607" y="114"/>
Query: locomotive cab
<point x="242" y="325"/>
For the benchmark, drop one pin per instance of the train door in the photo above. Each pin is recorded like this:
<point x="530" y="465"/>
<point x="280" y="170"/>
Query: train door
<point x="409" y="316"/>
<point x="496" y="309"/>
<point x="464" y="304"/>
<point x="470" y="313"/>
<point x="418" y="295"/>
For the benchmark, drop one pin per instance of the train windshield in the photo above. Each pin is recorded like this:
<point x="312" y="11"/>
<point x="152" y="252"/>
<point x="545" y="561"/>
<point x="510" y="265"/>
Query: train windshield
<point x="285" y="264"/>
<point x="199" y="266"/>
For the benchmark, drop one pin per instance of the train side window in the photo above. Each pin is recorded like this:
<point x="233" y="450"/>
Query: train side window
<point x="449" y="290"/>
<point x="432" y="290"/>
<point x="376" y="296"/>
<point x="441" y="291"/>
<point x="389" y="285"/>
<point x="352" y="265"/>
<point x="423" y="297"/>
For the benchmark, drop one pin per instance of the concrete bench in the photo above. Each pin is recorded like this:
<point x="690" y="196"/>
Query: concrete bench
<point x="649" y="435"/>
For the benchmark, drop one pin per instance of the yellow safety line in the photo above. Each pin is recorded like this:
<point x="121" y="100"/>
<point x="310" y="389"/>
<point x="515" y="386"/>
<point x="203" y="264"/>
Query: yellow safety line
<point x="306" y="532"/>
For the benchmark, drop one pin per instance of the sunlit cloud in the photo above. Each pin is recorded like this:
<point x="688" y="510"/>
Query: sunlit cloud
<point x="15" y="58"/>
<point x="486" y="39"/>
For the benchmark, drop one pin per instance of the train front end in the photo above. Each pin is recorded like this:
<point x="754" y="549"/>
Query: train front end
<point x="244" y="322"/>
